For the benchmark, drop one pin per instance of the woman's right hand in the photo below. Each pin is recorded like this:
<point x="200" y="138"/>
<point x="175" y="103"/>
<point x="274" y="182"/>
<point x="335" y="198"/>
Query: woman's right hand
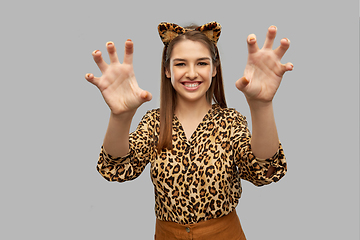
<point x="118" y="83"/>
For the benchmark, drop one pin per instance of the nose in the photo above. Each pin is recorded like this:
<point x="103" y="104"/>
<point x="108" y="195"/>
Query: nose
<point x="191" y="73"/>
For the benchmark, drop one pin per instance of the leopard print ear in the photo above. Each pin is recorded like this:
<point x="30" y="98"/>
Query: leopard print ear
<point x="212" y="30"/>
<point x="169" y="31"/>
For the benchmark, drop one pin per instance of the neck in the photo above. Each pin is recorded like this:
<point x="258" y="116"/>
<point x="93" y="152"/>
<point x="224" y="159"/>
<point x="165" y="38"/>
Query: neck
<point x="192" y="109"/>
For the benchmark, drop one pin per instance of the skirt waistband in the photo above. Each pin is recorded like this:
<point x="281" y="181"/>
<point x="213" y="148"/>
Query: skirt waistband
<point x="226" y="227"/>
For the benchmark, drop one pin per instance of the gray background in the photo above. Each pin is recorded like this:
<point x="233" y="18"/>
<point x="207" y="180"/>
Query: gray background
<point x="53" y="121"/>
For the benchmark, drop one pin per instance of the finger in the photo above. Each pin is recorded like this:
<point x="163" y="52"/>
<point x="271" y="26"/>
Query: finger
<point x="242" y="83"/>
<point x="92" y="79"/>
<point x="284" y="46"/>
<point x="112" y="52"/>
<point x="99" y="60"/>
<point x="146" y="96"/>
<point x="287" y="67"/>
<point x="129" y="50"/>
<point x="252" y="44"/>
<point x="270" y="36"/>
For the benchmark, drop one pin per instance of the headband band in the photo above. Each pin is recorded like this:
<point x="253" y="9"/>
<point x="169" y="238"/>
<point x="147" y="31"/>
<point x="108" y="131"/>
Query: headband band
<point x="169" y="31"/>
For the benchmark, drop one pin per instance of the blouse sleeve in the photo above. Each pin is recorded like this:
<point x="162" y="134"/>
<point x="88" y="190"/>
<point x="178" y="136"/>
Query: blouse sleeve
<point x="130" y="166"/>
<point x="251" y="168"/>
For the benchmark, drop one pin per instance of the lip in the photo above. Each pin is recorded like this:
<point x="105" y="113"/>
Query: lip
<point x="191" y="88"/>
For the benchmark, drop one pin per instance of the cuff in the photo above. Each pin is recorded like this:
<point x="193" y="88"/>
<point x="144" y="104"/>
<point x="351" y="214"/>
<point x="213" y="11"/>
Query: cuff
<point x="109" y="159"/>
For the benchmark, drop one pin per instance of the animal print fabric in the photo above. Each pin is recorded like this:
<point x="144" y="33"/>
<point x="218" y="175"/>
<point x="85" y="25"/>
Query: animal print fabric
<point x="199" y="179"/>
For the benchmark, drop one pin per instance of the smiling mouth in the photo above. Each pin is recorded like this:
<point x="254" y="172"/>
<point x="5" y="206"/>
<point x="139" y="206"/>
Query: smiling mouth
<point x="191" y="85"/>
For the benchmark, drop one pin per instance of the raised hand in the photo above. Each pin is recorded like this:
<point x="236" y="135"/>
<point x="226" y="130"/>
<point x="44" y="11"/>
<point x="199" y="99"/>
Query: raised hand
<point x="118" y="84"/>
<point x="264" y="71"/>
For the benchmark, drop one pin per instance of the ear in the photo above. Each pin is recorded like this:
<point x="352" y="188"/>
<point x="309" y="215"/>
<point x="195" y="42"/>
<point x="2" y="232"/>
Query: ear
<point x="212" y="30"/>
<point x="214" y="72"/>
<point x="167" y="73"/>
<point x="169" y="31"/>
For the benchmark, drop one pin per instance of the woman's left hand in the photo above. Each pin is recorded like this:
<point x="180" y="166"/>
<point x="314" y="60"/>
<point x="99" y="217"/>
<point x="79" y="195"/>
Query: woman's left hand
<point x="264" y="71"/>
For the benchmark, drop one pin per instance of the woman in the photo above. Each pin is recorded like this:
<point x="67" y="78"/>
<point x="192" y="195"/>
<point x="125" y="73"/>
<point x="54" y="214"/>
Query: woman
<point x="197" y="147"/>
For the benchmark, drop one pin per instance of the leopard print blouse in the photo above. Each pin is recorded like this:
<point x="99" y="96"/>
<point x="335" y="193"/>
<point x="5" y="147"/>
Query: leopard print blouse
<point x="199" y="179"/>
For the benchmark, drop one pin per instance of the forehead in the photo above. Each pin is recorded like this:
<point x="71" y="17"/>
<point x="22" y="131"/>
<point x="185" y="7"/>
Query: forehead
<point x="190" y="49"/>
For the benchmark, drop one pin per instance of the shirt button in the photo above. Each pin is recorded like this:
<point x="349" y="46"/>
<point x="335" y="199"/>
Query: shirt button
<point x="188" y="229"/>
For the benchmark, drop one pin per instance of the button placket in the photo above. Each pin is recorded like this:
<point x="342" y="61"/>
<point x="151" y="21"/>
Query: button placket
<point x="187" y="184"/>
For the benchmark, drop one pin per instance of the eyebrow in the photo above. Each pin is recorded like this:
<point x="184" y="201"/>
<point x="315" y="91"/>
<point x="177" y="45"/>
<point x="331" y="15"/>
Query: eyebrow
<point x="184" y="60"/>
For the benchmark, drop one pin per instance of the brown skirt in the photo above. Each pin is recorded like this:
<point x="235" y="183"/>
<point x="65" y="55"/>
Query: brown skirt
<point x="227" y="227"/>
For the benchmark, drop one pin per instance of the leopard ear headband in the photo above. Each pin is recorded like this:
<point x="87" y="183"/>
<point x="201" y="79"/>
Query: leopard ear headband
<point x="169" y="31"/>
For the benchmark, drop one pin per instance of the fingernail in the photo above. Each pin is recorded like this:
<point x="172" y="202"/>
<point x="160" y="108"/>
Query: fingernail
<point x="252" y="39"/>
<point x="94" y="52"/>
<point x="129" y="40"/>
<point x="109" y="44"/>
<point x="273" y="27"/>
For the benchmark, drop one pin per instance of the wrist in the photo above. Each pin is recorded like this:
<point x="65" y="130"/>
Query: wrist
<point x="259" y="104"/>
<point x="124" y="116"/>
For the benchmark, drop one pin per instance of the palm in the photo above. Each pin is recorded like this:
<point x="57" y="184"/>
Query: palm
<point x="118" y="83"/>
<point x="264" y="71"/>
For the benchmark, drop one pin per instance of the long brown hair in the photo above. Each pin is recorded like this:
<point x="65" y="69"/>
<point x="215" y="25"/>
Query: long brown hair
<point x="168" y="94"/>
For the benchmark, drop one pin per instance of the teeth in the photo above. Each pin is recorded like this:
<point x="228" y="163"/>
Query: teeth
<point x="191" y="85"/>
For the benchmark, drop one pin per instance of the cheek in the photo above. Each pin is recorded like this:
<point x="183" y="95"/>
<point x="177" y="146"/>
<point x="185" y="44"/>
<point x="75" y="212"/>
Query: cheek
<point x="208" y="74"/>
<point x="172" y="81"/>
<point x="176" y="75"/>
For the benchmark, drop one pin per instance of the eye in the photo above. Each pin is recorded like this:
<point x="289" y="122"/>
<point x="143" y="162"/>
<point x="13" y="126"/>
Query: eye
<point x="180" y="64"/>
<point x="203" y="63"/>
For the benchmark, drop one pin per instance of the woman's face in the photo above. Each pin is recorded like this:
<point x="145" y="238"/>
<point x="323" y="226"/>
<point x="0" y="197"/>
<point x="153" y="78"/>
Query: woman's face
<point x="191" y="70"/>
